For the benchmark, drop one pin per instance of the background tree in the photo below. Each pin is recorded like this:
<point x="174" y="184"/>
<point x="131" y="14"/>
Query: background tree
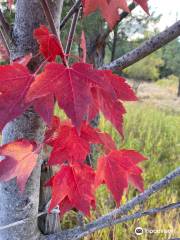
<point x="172" y="60"/>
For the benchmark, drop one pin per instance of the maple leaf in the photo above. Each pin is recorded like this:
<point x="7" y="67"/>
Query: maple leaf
<point x="110" y="8"/>
<point x="69" y="145"/>
<point x="45" y="107"/>
<point x="73" y="186"/>
<point x="50" y="46"/>
<point x="12" y="99"/>
<point x="122" y="89"/>
<point x="71" y="87"/>
<point x="117" y="169"/>
<point x="143" y="4"/>
<point x="112" y="108"/>
<point x="19" y="161"/>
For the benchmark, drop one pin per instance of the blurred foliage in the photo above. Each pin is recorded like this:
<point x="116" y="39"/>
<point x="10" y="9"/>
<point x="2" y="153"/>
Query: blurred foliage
<point x="171" y="57"/>
<point x="170" y="81"/>
<point x="146" y="69"/>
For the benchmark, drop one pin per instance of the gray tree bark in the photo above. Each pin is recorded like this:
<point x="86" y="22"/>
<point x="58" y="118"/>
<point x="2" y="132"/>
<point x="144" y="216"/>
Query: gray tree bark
<point x="15" y="206"/>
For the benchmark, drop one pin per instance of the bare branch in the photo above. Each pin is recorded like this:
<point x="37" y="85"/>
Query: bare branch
<point x="146" y="48"/>
<point x="4" y="42"/>
<point x="5" y="32"/>
<point x="114" y="217"/>
<point x="74" y="8"/>
<point x="148" y="212"/>
<point x="72" y="31"/>
<point x="49" y="17"/>
<point x="4" y="23"/>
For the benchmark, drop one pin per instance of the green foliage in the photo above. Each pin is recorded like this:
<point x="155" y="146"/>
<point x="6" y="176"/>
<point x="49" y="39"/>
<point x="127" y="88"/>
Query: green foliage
<point x="171" y="56"/>
<point x="170" y="82"/>
<point x="146" y="69"/>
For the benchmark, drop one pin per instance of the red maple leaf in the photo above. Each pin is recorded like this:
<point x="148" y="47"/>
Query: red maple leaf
<point x="73" y="187"/>
<point x="117" y="169"/>
<point x="82" y="91"/>
<point x="143" y="4"/>
<point x="19" y="160"/>
<point x="71" y="87"/>
<point x="50" y="46"/>
<point x="112" y="108"/>
<point x="69" y="145"/>
<point x="12" y="99"/>
<point x="110" y="8"/>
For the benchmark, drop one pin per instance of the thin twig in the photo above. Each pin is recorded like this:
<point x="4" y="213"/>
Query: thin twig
<point x="74" y="8"/>
<point x="49" y="17"/>
<point x="4" y="23"/>
<point x="111" y="218"/>
<point x="4" y="42"/>
<point x="146" y="48"/>
<point x="72" y="31"/>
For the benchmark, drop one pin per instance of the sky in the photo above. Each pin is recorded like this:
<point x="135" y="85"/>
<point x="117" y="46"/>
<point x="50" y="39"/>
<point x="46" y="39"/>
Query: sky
<point x="170" y="10"/>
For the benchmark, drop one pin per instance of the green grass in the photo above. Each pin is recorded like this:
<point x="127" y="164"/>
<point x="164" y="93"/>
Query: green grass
<point x="171" y="82"/>
<point x="156" y="134"/>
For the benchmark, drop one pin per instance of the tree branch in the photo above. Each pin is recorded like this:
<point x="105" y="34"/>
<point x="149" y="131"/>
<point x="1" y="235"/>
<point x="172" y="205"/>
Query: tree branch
<point x="4" y="24"/>
<point x="114" y="217"/>
<point x="4" y="42"/>
<point x="74" y="8"/>
<point x="72" y="31"/>
<point x="49" y="17"/>
<point x="146" y="48"/>
<point x="5" y="32"/>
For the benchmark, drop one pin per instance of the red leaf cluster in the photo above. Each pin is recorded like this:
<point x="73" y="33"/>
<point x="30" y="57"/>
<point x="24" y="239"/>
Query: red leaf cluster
<point x="69" y="151"/>
<point x="82" y="92"/>
<point x="71" y="146"/>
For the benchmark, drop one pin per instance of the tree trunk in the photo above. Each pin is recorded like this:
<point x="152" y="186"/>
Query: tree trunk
<point x="96" y="50"/>
<point x="15" y="206"/>
<point x="178" y="93"/>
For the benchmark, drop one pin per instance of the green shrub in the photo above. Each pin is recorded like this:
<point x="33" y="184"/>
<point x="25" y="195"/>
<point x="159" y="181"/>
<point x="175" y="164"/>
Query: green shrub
<point x="146" y="69"/>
